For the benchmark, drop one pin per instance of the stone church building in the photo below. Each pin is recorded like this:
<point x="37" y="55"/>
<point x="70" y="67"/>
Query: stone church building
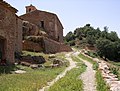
<point x="34" y="24"/>
<point x="47" y="21"/>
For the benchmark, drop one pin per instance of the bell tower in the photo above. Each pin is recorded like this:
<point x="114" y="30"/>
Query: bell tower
<point x="30" y="8"/>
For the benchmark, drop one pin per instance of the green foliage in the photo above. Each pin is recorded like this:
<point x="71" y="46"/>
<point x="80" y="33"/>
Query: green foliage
<point x="101" y="84"/>
<point x="92" y="54"/>
<point x="114" y="70"/>
<point x="95" y="64"/>
<point x="72" y="43"/>
<point x="70" y="36"/>
<point x="7" y="69"/>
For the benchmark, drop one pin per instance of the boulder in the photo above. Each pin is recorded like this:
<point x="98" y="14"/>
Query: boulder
<point x="52" y="56"/>
<point x="25" y="64"/>
<point x="34" y="66"/>
<point x="20" y="71"/>
<point x="38" y="59"/>
<point x="58" y="62"/>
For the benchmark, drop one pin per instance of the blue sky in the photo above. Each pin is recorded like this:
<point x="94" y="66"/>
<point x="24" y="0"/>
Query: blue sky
<point x="77" y="13"/>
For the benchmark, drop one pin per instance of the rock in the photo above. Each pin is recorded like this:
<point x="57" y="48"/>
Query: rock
<point x="33" y="59"/>
<point x="34" y="66"/>
<point x="115" y="87"/>
<point x="55" y="65"/>
<point x="38" y="59"/>
<point x="20" y="72"/>
<point x="52" y="56"/>
<point x="58" y="61"/>
<point x="25" y="64"/>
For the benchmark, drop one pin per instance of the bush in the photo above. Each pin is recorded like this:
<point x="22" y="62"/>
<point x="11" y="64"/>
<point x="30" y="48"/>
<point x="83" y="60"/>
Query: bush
<point x="114" y="70"/>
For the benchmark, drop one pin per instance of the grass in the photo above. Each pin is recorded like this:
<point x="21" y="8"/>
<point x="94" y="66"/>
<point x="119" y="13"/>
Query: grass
<point x="115" y="68"/>
<point x="95" y="64"/>
<point x="101" y="85"/>
<point x="32" y="80"/>
<point x="71" y="81"/>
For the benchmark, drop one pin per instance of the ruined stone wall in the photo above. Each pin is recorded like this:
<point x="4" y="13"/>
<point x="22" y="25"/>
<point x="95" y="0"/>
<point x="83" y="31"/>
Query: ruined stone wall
<point x="64" y="48"/>
<point x="46" y="45"/>
<point x="18" y="43"/>
<point x="7" y="31"/>
<point x="58" y="30"/>
<point x="52" y="46"/>
<point x="31" y="46"/>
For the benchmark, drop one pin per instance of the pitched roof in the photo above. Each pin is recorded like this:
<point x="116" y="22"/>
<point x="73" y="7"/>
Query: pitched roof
<point x="8" y="5"/>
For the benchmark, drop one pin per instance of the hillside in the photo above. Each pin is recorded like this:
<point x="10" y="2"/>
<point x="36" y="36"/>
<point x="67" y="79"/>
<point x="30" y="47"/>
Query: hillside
<point x="106" y="44"/>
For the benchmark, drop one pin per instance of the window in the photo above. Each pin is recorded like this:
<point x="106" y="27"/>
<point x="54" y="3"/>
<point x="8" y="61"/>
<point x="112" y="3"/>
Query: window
<point x="29" y="9"/>
<point x="41" y="24"/>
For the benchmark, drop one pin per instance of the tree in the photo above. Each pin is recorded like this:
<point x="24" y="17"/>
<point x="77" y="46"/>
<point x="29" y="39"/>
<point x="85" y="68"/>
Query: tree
<point x="104" y="47"/>
<point x="104" y="33"/>
<point x="90" y="40"/>
<point x="69" y="37"/>
<point x="112" y="36"/>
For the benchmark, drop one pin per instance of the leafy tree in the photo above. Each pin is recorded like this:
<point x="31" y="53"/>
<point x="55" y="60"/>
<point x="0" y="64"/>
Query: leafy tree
<point x="70" y="36"/>
<point x="112" y="36"/>
<point x="90" y="40"/>
<point x="103" y="46"/>
<point x="104" y="33"/>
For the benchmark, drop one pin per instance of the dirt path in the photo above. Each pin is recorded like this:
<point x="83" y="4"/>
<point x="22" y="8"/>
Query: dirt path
<point x="72" y="65"/>
<point x="88" y="77"/>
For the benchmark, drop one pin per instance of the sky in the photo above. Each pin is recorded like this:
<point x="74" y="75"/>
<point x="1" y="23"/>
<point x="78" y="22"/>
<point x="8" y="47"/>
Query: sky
<point x="78" y="13"/>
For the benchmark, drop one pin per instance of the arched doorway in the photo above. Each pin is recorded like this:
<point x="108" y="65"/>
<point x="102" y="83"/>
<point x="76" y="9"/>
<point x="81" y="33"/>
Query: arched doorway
<point x="2" y="48"/>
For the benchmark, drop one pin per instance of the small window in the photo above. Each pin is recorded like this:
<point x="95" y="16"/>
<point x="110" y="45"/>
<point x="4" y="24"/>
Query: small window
<point x="30" y="10"/>
<point x="42" y="24"/>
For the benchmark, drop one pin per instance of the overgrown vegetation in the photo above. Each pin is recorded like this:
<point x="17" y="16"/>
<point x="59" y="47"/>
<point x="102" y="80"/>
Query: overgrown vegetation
<point x="101" y="84"/>
<point x="115" y="68"/>
<point x="71" y="81"/>
<point x="107" y="43"/>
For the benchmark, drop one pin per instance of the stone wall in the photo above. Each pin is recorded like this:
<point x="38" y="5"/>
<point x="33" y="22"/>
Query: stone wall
<point x="18" y="43"/>
<point x="31" y="46"/>
<point x="52" y="46"/>
<point x="7" y="31"/>
<point x="46" y="45"/>
<point x="64" y="48"/>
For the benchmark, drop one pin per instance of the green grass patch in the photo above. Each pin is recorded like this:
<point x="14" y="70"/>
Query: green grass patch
<point x="95" y="64"/>
<point x="101" y="84"/>
<point x="71" y="81"/>
<point x="30" y="81"/>
<point x="115" y="68"/>
<point x="33" y="80"/>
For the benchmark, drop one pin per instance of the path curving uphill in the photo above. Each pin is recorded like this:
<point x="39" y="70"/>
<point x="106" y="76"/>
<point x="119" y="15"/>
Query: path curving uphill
<point x="71" y="66"/>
